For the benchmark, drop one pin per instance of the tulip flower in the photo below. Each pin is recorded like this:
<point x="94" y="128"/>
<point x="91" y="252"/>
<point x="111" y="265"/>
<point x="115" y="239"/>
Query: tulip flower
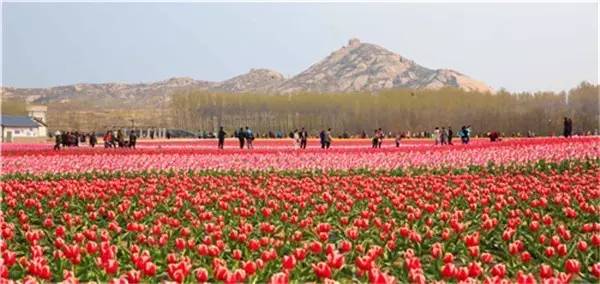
<point x="572" y="266"/>
<point x="322" y="270"/>
<point x="479" y="213"/>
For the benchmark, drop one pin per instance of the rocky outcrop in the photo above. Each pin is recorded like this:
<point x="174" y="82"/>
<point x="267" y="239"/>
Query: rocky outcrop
<point x="109" y="94"/>
<point x="257" y="80"/>
<point x="368" y="67"/>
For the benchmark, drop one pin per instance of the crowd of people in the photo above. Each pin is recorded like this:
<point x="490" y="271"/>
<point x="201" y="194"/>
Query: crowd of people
<point x="245" y="135"/>
<point x="300" y="138"/>
<point x="63" y="139"/>
<point x="114" y="139"/>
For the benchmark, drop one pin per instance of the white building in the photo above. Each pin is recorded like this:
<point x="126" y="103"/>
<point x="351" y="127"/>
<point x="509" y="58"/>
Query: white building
<point x="31" y="126"/>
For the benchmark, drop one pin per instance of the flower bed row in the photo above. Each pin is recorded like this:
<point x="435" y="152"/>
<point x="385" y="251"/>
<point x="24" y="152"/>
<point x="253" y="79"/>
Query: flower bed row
<point x="480" y="225"/>
<point x="429" y="156"/>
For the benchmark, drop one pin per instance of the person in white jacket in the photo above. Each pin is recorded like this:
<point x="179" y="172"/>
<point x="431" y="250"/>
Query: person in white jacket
<point x="296" y="138"/>
<point x="437" y="135"/>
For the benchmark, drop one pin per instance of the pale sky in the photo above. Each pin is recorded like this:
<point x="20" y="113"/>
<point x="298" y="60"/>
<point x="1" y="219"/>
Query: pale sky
<point x="521" y="47"/>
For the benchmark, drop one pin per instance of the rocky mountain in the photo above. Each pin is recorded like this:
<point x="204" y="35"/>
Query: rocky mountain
<point x="108" y="94"/>
<point x="368" y="67"/>
<point x="257" y="80"/>
<point x="353" y="68"/>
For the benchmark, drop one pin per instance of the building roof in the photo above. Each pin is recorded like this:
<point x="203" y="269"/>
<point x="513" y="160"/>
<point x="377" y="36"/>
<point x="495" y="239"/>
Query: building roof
<point x="18" y="121"/>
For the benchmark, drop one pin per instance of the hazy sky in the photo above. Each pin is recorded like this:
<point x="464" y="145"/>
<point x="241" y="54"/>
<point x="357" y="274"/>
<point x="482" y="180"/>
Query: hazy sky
<point x="517" y="46"/>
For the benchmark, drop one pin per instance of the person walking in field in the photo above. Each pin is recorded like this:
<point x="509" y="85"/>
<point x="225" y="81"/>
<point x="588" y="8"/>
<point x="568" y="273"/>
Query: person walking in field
<point x="63" y="139"/>
<point x="450" y="134"/>
<point x="120" y="138"/>
<point x="468" y="134"/>
<point x="303" y="138"/>
<point x="375" y="140"/>
<point x="381" y="136"/>
<point x="76" y="139"/>
<point x="296" y="138"/>
<point x="437" y="135"/>
<point x="465" y="133"/>
<point x="108" y="143"/>
<point x="567" y="127"/>
<point x="93" y="139"/>
<point x="221" y="137"/>
<point x="57" y="140"/>
<point x="241" y="135"/>
<point x="322" y="138"/>
<point x="328" y="138"/>
<point x="249" y="138"/>
<point x="398" y="138"/>
<point x="132" y="139"/>
<point x="444" y="134"/>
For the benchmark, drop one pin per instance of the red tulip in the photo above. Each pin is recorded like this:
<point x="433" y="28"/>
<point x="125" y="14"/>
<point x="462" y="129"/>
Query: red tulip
<point x="289" y="261"/>
<point x="279" y="278"/>
<point x="250" y="267"/>
<point x="9" y="258"/>
<point x="474" y="269"/>
<point x="448" y="270"/>
<point x="462" y="273"/>
<point x="376" y="276"/>
<point x="562" y="250"/>
<point x="345" y="246"/>
<point x="315" y="247"/>
<point x="236" y="254"/>
<point x="499" y="270"/>
<point x="299" y="254"/>
<point x="572" y="266"/>
<point x="546" y="271"/>
<point x="582" y="246"/>
<point x="448" y="257"/>
<point x="364" y="263"/>
<point x="322" y="270"/>
<point x="596" y="240"/>
<point x="596" y="270"/>
<point x="180" y="243"/>
<point x="201" y="275"/>
<point x="486" y="257"/>
<point x="523" y="278"/>
<point x="549" y="251"/>
<point x="412" y="263"/>
<point x="335" y="260"/>
<point x="133" y="276"/>
<point x="149" y="268"/>
<point x="436" y="250"/>
<point x="254" y="245"/>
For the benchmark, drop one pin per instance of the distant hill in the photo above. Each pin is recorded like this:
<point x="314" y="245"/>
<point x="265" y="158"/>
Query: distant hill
<point x="111" y="95"/>
<point x="368" y="67"/>
<point x="353" y="68"/>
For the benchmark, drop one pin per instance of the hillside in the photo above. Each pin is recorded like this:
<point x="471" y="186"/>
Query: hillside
<point x="356" y="67"/>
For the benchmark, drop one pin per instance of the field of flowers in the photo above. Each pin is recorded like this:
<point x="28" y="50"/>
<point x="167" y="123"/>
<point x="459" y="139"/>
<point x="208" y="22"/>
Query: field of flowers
<point x="521" y="210"/>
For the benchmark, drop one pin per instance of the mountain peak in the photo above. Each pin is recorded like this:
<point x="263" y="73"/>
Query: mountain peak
<point x="368" y="67"/>
<point x="353" y="42"/>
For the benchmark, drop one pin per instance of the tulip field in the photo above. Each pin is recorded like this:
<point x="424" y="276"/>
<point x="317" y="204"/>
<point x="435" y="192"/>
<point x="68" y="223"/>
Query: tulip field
<point x="519" y="210"/>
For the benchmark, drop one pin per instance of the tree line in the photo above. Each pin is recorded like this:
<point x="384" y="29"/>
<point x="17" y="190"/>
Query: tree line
<point x="393" y="110"/>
